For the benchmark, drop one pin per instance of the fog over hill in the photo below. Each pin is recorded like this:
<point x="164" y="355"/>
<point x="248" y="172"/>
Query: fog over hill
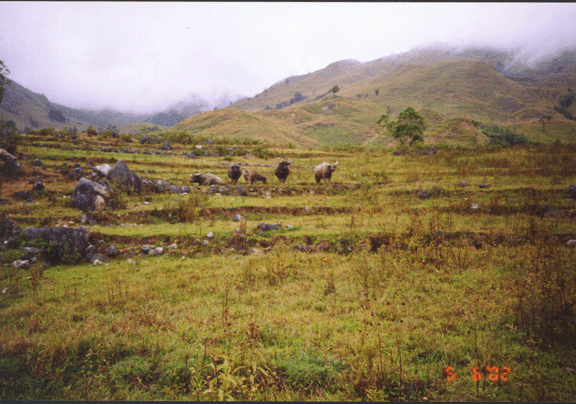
<point x="32" y="110"/>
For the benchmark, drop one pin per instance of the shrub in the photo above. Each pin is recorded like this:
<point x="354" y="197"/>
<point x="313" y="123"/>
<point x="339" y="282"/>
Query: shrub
<point x="91" y="131"/>
<point x="9" y="136"/>
<point x="126" y="138"/>
<point x="47" y="132"/>
<point x="111" y="131"/>
<point x="69" y="131"/>
<point x="188" y="210"/>
<point x="261" y="152"/>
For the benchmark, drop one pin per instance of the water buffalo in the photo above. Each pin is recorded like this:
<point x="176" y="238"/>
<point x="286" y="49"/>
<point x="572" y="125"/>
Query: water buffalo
<point x="282" y="171"/>
<point x="235" y="172"/>
<point x="251" y="176"/>
<point x="324" y="172"/>
<point x="206" y="179"/>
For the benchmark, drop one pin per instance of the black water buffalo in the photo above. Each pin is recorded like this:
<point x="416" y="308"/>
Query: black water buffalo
<point x="282" y="171"/>
<point x="235" y="172"/>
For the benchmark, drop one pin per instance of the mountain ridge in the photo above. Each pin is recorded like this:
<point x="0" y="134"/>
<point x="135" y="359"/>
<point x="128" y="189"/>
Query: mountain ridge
<point x="340" y="103"/>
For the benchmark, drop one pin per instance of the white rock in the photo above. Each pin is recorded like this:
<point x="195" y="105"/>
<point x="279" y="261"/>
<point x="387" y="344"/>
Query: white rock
<point x="97" y="262"/>
<point x="210" y="235"/>
<point x="21" y="264"/>
<point x="159" y="250"/>
<point x="205" y="242"/>
<point x="172" y="247"/>
<point x="129" y="260"/>
<point x="5" y="290"/>
<point x="571" y="243"/>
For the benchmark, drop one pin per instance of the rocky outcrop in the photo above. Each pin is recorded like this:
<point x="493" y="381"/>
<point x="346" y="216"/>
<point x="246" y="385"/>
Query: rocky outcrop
<point x="77" y="238"/>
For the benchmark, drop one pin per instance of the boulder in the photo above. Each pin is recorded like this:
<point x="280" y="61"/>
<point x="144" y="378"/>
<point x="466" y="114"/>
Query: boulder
<point x="95" y="258"/>
<point x="102" y="170"/>
<point x="7" y="227"/>
<point x="241" y="190"/>
<point x="77" y="237"/>
<point x="88" y="219"/>
<point x="112" y="251"/>
<point x="11" y="166"/>
<point x="37" y="163"/>
<point x="77" y="172"/>
<point x="22" y="195"/>
<point x="121" y="173"/>
<point x="262" y="227"/>
<point x="21" y="264"/>
<point x="145" y="139"/>
<point x="162" y="186"/>
<point x="32" y="250"/>
<point x="89" y="195"/>
<point x="302" y="248"/>
<point x="37" y="187"/>
<point x="166" y="146"/>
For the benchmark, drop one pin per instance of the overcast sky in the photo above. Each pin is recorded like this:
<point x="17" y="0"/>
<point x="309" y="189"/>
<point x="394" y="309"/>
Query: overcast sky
<point x="144" y="56"/>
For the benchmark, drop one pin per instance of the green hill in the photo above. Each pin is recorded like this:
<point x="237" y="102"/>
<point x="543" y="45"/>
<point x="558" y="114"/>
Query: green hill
<point x="475" y="84"/>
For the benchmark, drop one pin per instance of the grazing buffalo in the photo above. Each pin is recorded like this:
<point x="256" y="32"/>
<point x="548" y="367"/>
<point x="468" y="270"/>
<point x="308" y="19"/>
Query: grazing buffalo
<point x="235" y="172"/>
<point x="251" y="176"/>
<point x="282" y="171"/>
<point x="324" y="172"/>
<point x="206" y="179"/>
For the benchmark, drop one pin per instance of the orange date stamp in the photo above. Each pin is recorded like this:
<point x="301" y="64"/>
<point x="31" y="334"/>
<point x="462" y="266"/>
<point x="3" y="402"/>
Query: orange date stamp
<point x="493" y="373"/>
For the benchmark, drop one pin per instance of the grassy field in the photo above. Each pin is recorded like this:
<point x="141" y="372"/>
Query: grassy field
<point x="367" y="292"/>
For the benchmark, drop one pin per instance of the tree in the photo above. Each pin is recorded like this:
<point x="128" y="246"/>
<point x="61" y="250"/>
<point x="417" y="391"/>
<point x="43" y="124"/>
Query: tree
<point x="409" y="127"/>
<point x="3" y="80"/>
<point x="335" y="89"/>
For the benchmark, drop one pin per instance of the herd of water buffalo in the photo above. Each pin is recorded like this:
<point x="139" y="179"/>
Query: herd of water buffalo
<point x="321" y="172"/>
